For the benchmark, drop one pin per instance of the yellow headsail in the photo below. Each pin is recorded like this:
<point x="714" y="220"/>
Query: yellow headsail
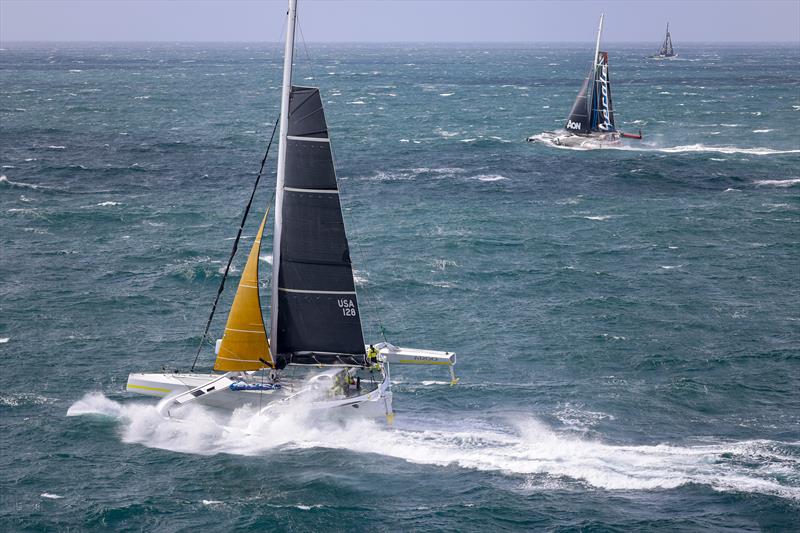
<point x="244" y="344"/>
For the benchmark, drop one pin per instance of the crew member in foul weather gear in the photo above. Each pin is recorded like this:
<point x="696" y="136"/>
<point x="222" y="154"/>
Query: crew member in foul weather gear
<point x="372" y="355"/>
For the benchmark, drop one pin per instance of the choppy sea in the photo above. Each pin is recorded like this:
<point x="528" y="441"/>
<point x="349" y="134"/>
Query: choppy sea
<point x="627" y="321"/>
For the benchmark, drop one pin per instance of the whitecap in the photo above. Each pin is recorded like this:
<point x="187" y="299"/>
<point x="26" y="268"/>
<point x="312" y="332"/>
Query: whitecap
<point x="56" y="147"/>
<point x="598" y="217"/>
<point x="211" y="502"/>
<point x="491" y="177"/>
<point x="267" y="258"/>
<point x="109" y="203"/>
<point x="763" y="131"/>
<point x="51" y="496"/>
<point x="670" y="267"/>
<point x="779" y="183"/>
<point x="4" y="340"/>
<point x="446" y="94"/>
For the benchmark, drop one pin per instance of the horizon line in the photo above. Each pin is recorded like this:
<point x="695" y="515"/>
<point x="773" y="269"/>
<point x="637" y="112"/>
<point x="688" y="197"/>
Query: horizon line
<point x="124" y="41"/>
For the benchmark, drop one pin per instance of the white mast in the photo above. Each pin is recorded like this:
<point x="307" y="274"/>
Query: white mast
<point x="593" y="71"/>
<point x="597" y="47"/>
<point x="291" y="19"/>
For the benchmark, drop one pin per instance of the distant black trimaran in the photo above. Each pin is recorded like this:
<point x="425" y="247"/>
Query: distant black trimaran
<point x="666" y="51"/>
<point x="315" y="351"/>
<point x="591" y="122"/>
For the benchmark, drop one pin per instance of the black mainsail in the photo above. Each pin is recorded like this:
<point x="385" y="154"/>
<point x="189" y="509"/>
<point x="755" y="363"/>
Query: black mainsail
<point x="602" y="108"/>
<point x="318" y="320"/>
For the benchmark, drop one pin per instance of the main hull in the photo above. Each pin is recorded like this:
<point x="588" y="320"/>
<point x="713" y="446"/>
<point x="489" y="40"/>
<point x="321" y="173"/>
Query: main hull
<point x="570" y="140"/>
<point x="373" y="399"/>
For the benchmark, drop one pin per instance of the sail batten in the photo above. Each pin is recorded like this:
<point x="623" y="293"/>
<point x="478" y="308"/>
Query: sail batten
<point x="245" y="344"/>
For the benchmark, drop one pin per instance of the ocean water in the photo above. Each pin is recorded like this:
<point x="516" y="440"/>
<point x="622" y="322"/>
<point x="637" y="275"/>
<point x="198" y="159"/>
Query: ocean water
<point x="627" y="321"/>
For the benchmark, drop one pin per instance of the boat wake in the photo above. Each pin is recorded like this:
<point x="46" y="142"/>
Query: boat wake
<point x="523" y="448"/>
<point x="547" y="140"/>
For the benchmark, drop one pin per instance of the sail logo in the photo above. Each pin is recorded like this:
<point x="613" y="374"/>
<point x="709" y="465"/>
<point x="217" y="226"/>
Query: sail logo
<point x="606" y="113"/>
<point x="347" y="306"/>
<point x="573" y="125"/>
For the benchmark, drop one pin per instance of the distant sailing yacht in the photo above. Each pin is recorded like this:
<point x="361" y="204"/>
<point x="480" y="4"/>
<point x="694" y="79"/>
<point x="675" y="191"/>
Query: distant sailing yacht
<point x="316" y="348"/>
<point x="666" y="51"/>
<point x="591" y="122"/>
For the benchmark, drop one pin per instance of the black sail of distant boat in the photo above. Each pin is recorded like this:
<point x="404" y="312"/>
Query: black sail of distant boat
<point x="578" y="120"/>
<point x="318" y="320"/>
<point x="602" y="117"/>
<point x="666" y="46"/>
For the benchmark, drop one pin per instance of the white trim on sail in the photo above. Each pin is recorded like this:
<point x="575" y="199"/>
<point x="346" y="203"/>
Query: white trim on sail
<point x="312" y="139"/>
<point x="315" y="191"/>
<point x="308" y="291"/>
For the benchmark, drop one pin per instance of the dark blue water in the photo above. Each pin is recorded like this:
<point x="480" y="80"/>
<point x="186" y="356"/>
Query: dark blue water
<point x="627" y="321"/>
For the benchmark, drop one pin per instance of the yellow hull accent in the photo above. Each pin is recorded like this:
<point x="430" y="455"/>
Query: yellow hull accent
<point x="156" y="389"/>
<point x="245" y="343"/>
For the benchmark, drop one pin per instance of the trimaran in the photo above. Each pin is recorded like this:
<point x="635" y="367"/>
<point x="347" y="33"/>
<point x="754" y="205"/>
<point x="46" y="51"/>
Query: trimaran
<point x="666" y="51"/>
<point x="315" y="350"/>
<point x="591" y="122"/>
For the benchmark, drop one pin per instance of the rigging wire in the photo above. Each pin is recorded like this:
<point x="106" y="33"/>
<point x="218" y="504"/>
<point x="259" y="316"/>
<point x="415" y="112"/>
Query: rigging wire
<point x="371" y="302"/>
<point x="275" y="50"/>
<point x="235" y="244"/>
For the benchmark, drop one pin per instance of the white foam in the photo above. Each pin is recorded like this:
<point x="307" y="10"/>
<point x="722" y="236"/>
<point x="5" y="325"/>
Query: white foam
<point x="4" y="340"/>
<point x="763" y="131"/>
<point x="4" y="179"/>
<point x="598" y="217"/>
<point x="104" y="204"/>
<point x="779" y="183"/>
<point x="56" y="147"/>
<point x="211" y="502"/>
<point x="51" y="496"/>
<point x="688" y="148"/>
<point x="446" y="94"/>
<point x="491" y="177"/>
<point x="515" y="446"/>
<point x="267" y="258"/>
<point x="718" y="149"/>
<point x="24" y="398"/>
